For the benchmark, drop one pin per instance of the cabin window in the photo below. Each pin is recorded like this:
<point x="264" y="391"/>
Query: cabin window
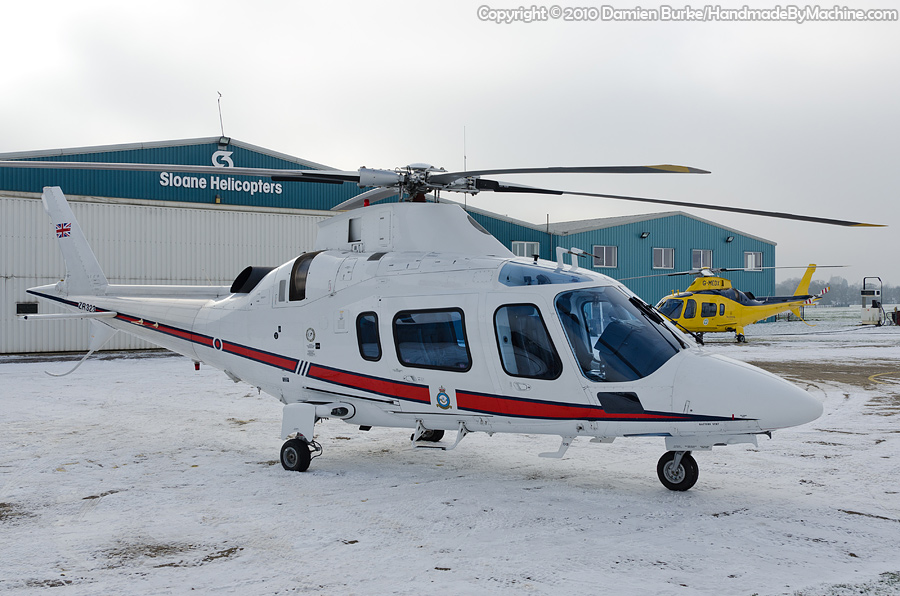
<point x="663" y="258"/>
<point x="524" y="343"/>
<point x="367" y="336"/>
<point x="519" y="274"/>
<point x="526" y="249"/>
<point x="672" y="308"/>
<point x="612" y="339"/>
<point x="299" y="273"/>
<point x="707" y="309"/>
<point x="722" y="309"/>
<point x="432" y="339"/>
<point x="606" y="256"/>
<point x="753" y="261"/>
<point x="690" y="309"/>
<point x="701" y="258"/>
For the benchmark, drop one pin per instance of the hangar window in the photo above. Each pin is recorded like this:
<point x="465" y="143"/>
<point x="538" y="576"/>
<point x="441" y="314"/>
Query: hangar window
<point x="707" y="309"/>
<point x="606" y="256"/>
<point x="753" y="261"/>
<point x="663" y="258"/>
<point x="367" y="336"/>
<point x="432" y="339"/>
<point x="299" y="273"/>
<point x="524" y="343"/>
<point x="701" y="258"/>
<point x="26" y="308"/>
<point x="526" y="249"/>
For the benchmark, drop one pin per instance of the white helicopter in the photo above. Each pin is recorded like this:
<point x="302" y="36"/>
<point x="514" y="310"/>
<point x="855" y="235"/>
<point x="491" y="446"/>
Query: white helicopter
<point x="411" y="315"/>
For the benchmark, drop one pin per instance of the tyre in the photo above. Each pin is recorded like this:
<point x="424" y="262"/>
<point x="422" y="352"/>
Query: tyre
<point x="295" y="456"/>
<point x="432" y="436"/>
<point x="679" y="478"/>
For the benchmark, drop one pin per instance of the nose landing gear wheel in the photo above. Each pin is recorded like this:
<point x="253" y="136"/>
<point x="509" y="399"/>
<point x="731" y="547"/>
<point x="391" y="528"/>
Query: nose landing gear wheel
<point x="295" y="455"/>
<point x="678" y="476"/>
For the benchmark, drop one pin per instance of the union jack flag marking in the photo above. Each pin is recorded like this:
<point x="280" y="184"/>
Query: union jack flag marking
<point x="63" y="230"/>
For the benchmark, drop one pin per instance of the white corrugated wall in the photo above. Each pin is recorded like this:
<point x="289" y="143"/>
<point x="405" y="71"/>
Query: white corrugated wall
<point x="135" y="243"/>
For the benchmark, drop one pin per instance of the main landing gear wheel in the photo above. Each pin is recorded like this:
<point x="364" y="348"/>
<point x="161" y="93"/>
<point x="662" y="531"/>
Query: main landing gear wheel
<point x="740" y="338"/>
<point x="432" y="436"/>
<point x="680" y="476"/>
<point x="295" y="455"/>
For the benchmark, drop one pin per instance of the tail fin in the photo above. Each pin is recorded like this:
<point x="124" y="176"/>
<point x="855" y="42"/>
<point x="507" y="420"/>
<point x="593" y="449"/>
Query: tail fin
<point x="803" y="287"/>
<point x="83" y="272"/>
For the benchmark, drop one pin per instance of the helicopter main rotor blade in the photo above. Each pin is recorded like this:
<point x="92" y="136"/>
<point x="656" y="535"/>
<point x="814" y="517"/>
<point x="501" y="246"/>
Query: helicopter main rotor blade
<point x="444" y="178"/>
<point x="327" y="176"/>
<point x="694" y="272"/>
<point x="394" y="179"/>
<point x="722" y="269"/>
<point x="498" y="186"/>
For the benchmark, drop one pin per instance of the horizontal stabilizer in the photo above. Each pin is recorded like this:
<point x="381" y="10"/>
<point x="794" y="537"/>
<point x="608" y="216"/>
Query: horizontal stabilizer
<point x="70" y="315"/>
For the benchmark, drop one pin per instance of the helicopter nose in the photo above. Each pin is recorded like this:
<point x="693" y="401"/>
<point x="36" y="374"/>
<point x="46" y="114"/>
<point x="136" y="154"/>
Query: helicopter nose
<point x="745" y="391"/>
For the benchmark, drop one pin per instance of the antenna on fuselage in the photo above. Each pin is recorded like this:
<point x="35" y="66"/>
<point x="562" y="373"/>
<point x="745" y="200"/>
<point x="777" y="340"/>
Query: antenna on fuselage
<point x="465" y="194"/>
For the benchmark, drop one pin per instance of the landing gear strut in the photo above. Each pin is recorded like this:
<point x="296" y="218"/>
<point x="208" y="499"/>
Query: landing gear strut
<point x="677" y="470"/>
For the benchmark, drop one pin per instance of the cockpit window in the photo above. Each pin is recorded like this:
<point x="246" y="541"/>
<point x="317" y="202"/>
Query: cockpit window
<point x="521" y="274"/>
<point x="611" y="338"/>
<point x="671" y="308"/>
<point x="526" y="349"/>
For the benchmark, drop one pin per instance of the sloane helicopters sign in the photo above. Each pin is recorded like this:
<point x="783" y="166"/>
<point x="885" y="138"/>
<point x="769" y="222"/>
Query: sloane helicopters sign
<point x="220" y="159"/>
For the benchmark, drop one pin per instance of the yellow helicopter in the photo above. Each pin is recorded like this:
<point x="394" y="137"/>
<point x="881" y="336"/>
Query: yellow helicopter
<point x="712" y="305"/>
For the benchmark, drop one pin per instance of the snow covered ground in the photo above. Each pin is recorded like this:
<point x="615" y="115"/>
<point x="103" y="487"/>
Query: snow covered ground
<point x="139" y="475"/>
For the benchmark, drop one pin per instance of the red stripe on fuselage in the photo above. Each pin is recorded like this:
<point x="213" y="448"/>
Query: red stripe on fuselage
<point x="289" y="364"/>
<point x="174" y="331"/>
<point x="507" y="406"/>
<point x="418" y="393"/>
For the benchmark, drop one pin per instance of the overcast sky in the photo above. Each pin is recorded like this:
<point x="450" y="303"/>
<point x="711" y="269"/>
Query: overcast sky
<point x="803" y="118"/>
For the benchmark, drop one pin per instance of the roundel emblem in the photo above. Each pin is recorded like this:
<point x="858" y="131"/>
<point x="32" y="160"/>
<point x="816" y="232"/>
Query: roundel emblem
<point x="443" y="400"/>
<point x="310" y="334"/>
<point x="706" y="321"/>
